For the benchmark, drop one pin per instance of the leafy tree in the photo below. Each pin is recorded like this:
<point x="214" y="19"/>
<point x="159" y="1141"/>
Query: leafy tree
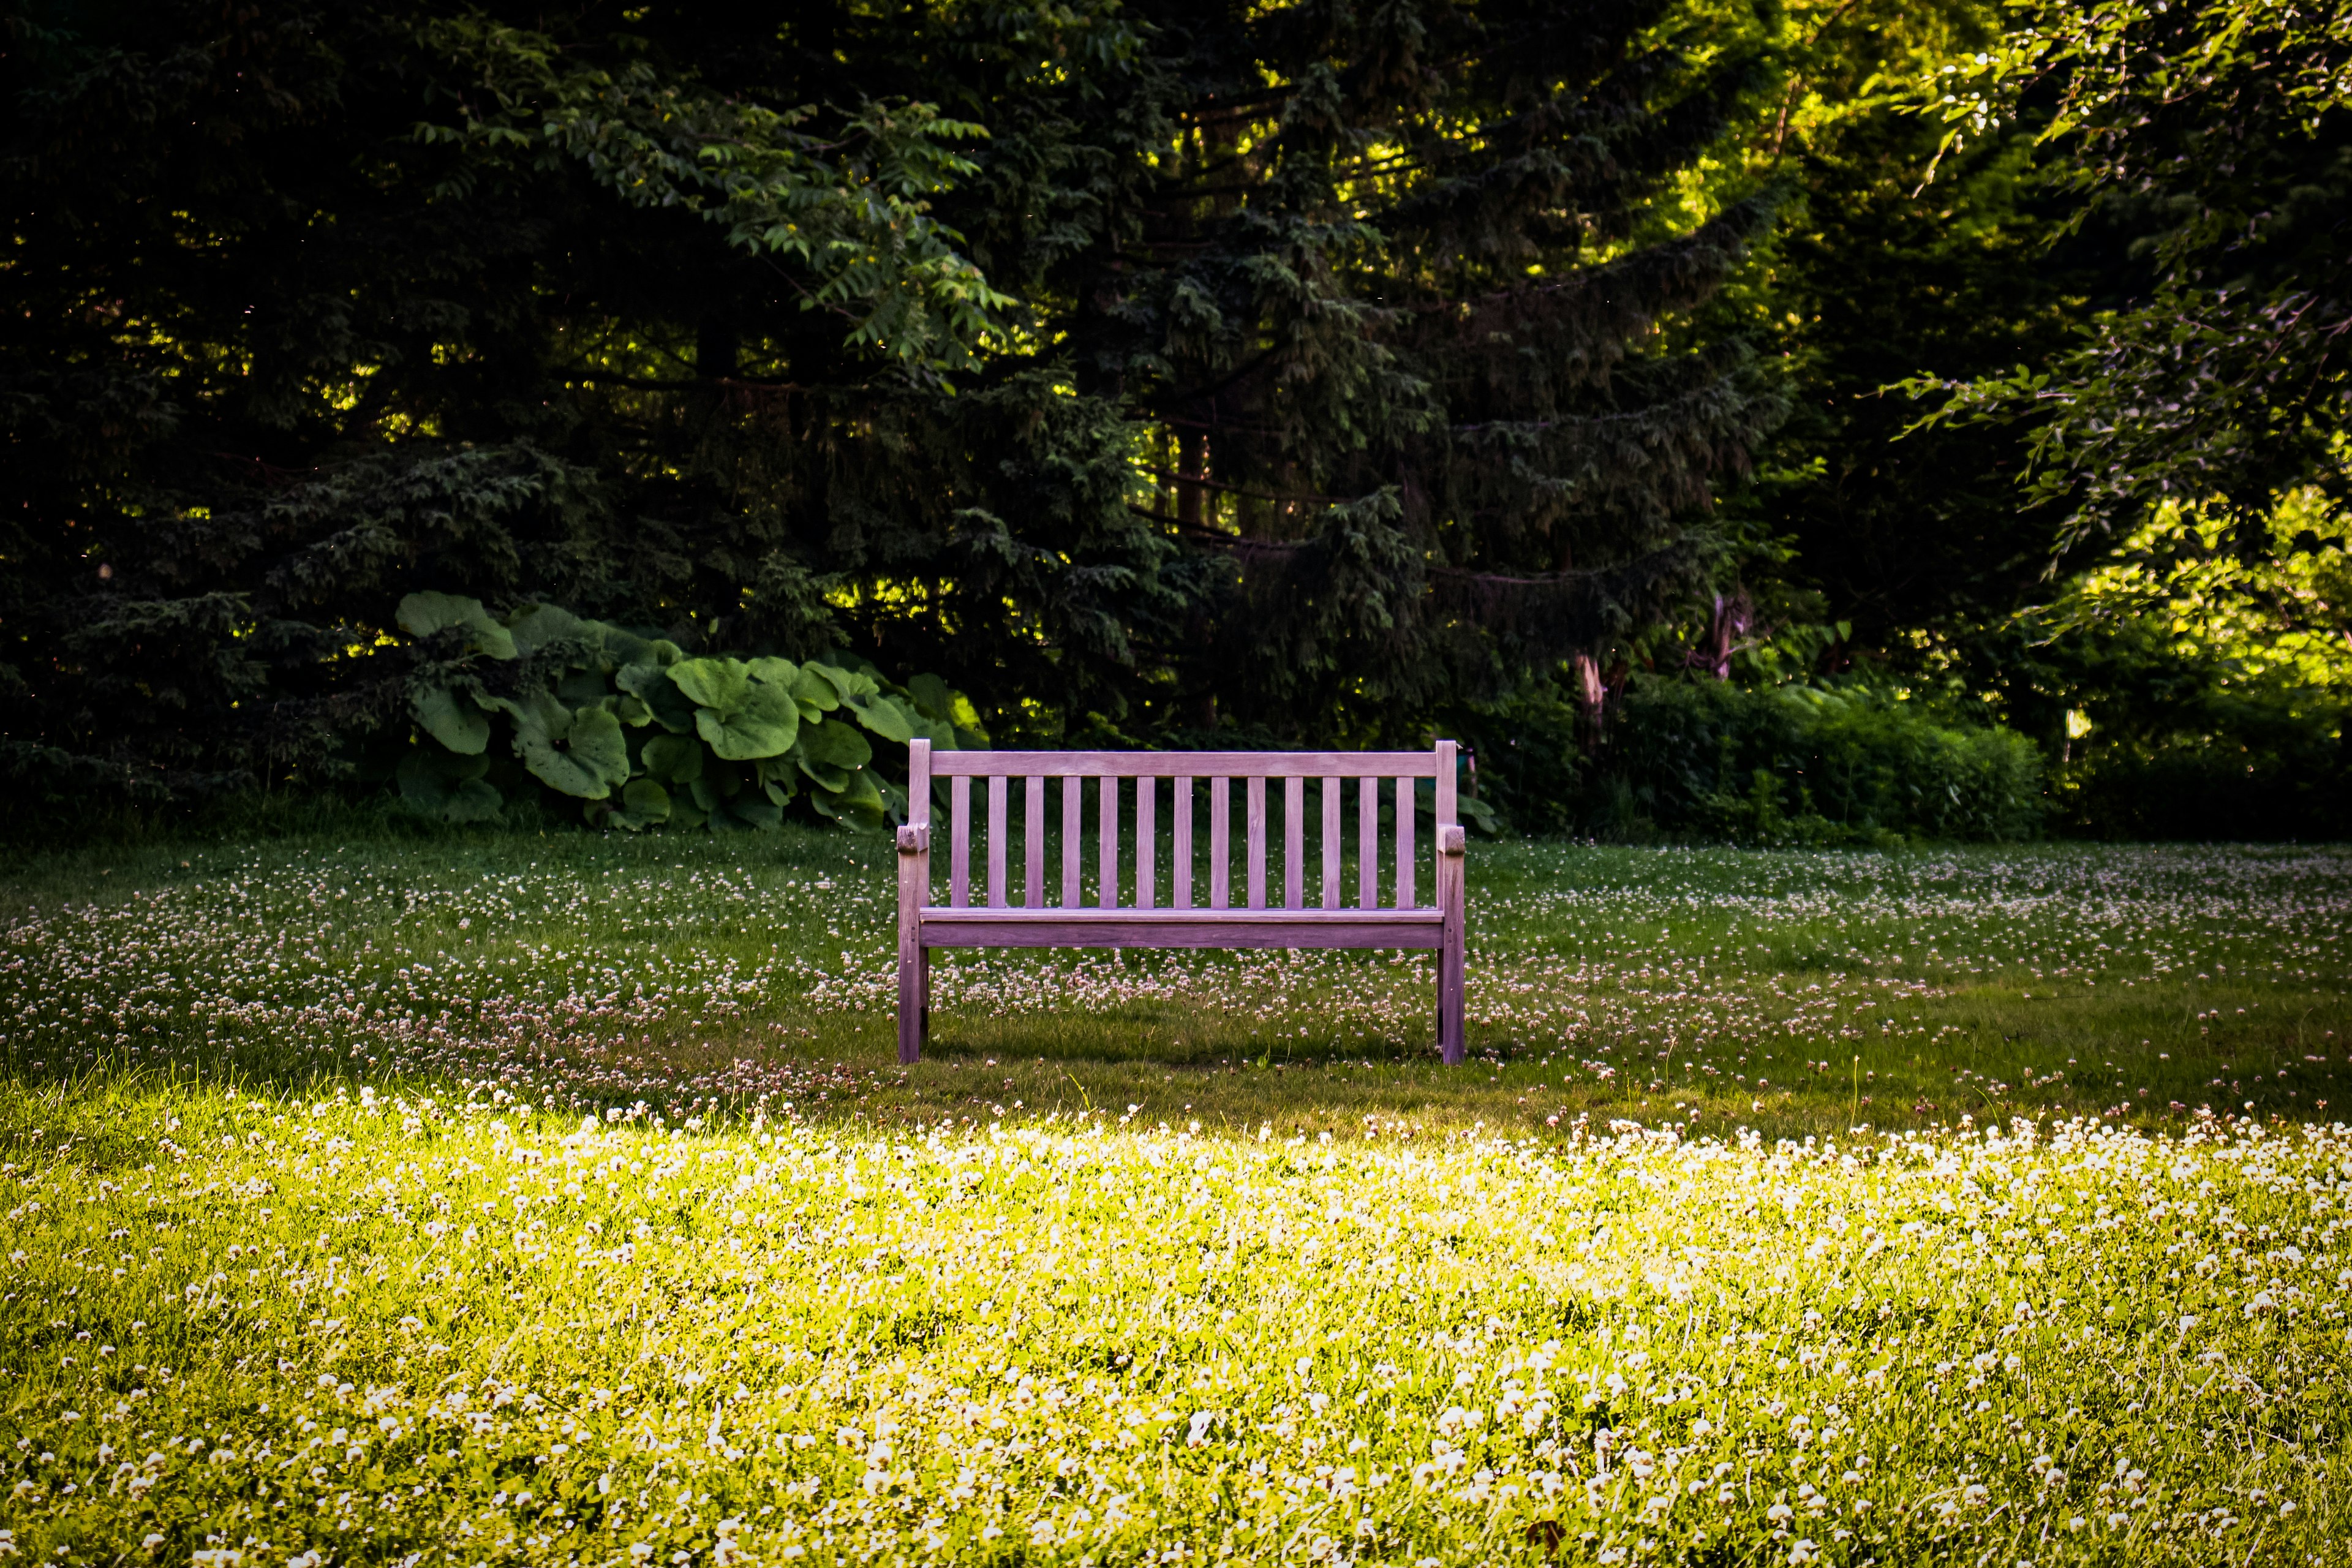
<point x="2223" y="133"/>
<point x="1400" y="303"/>
<point x="319" y="304"/>
<point x="1112" y="361"/>
<point x="1905" y="537"/>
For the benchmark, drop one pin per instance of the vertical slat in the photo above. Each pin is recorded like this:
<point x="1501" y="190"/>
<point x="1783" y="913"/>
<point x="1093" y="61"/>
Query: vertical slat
<point x="1368" y="851"/>
<point x="1107" y="842"/>
<point x="997" y="893"/>
<point x="1147" y="796"/>
<point x="1033" y="880"/>
<point x="1221" y="854"/>
<point x="1331" y="843"/>
<point x="1257" y="841"/>
<point x="1404" y="843"/>
<point x="1073" y="837"/>
<point x="1181" y="854"/>
<point x="1294" y="843"/>
<point x="959" y="852"/>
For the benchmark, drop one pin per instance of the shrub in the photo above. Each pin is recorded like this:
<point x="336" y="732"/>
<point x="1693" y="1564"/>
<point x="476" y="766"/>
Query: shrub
<point x="1790" y="765"/>
<point x="640" y="735"/>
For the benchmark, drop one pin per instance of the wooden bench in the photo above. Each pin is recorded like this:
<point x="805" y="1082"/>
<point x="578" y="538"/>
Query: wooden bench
<point x="1225" y="919"/>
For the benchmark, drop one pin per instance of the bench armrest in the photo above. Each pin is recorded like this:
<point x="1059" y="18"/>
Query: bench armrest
<point x="1452" y="840"/>
<point x="914" y="838"/>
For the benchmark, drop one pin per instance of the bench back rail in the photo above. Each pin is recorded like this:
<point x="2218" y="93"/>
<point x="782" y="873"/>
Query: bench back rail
<point x="1127" y="911"/>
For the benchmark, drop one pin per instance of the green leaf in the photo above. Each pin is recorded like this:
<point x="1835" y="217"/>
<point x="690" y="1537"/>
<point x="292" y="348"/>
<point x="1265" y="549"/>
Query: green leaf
<point x="545" y="624"/>
<point x="583" y="754"/>
<point x="932" y="698"/>
<point x="764" y="725"/>
<point x="827" y="777"/>
<point x="860" y="804"/>
<point x="651" y="684"/>
<point x="837" y="743"/>
<point x="424" y="615"/>
<point x="887" y="716"/>
<point x="456" y="722"/>
<point x="781" y="673"/>
<point x="723" y="685"/>
<point x="780" y="776"/>
<point x="642" y="804"/>
<point x="673" y="759"/>
<point x="815" y="694"/>
<point x="847" y="683"/>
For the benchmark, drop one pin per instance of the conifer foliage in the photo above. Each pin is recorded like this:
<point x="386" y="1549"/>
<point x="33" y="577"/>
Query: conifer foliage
<point x="1139" y="367"/>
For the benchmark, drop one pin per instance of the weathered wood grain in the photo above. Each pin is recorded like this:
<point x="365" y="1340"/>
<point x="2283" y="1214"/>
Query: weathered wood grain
<point x="1221" y="852"/>
<point x="1072" y="838"/>
<point x="1181" y="853"/>
<point x="1146" y="795"/>
<point x="1293" y="842"/>
<point x="1174" y="927"/>
<point x="1107" y="842"/>
<point x="997" y="895"/>
<point x="1033" y="868"/>
<point x="1331" y="788"/>
<point x="1404" y="890"/>
<point x="1257" y="841"/>
<point x="960" y="851"/>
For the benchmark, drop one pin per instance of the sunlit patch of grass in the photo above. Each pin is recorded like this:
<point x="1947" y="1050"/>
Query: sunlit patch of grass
<point x="561" y="1200"/>
<point x="385" y="1324"/>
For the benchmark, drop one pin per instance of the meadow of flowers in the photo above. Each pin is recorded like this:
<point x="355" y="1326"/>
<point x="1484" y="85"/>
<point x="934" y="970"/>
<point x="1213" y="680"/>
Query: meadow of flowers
<point x="1791" y="992"/>
<point x="384" y="1325"/>
<point x="558" y="1201"/>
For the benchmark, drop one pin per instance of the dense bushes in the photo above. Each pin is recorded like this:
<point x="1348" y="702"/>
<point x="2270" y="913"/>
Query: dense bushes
<point x="1793" y="764"/>
<point x="2171" y="750"/>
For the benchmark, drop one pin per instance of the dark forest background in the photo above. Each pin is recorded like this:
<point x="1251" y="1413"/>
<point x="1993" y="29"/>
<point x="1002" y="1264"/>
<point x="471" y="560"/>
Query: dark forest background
<point x="1803" y="423"/>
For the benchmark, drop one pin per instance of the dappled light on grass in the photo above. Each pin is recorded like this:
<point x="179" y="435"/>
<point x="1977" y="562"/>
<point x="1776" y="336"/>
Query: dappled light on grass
<point x="248" y="1329"/>
<point x="567" y="1205"/>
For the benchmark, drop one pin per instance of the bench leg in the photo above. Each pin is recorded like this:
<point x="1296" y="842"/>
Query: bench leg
<point x="914" y="1001"/>
<point x="1452" y="1040"/>
<point x="914" y="959"/>
<point x="1452" y="1032"/>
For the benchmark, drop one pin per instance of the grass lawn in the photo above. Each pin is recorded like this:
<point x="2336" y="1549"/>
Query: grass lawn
<point x="469" y="1200"/>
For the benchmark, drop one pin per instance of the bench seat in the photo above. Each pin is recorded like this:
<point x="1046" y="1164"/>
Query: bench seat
<point x="984" y="927"/>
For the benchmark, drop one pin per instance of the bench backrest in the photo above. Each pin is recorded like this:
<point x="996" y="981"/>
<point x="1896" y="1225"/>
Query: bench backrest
<point x="1185" y="771"/>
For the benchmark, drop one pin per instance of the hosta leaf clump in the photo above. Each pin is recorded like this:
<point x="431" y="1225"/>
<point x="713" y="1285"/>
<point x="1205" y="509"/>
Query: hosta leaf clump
<point x="644" y="736"/>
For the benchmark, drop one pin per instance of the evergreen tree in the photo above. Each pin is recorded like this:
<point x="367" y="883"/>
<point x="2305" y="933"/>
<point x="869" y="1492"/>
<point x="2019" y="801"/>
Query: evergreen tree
<point x="1116" y="362"/>
<point x="1393" y="294"/>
